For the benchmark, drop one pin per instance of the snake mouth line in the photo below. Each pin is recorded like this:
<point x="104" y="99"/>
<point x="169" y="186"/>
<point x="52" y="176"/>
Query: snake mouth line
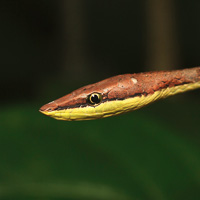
<point x="59" y="108"/>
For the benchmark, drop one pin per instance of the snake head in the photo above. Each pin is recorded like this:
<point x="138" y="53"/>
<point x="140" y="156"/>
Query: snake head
<point x="91" y="101"/>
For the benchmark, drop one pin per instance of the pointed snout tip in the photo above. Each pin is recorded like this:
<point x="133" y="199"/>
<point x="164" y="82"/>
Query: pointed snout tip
<point x="48" y="108"/>
<point x="43" y="111"/>
<point x="44" y="108"/>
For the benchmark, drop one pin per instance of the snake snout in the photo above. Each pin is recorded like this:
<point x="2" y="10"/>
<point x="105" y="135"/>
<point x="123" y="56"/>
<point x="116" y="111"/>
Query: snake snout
<point x="48" y="107"/>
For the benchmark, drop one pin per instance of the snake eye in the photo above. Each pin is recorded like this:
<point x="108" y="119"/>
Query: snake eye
<point x="94" y="98"/>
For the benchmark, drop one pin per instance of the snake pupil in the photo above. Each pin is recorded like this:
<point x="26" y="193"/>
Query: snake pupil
<point x="95" y="98"/>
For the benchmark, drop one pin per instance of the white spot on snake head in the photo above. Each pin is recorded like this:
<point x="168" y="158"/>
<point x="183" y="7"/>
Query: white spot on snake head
<point x="134" y="80"/>
<point x="105" y="90"/>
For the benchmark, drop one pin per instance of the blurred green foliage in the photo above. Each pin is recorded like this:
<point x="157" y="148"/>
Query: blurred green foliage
<point x="147" y="154"/>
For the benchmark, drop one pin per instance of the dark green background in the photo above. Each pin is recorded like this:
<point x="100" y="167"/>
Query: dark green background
<point x="149" y="154"/>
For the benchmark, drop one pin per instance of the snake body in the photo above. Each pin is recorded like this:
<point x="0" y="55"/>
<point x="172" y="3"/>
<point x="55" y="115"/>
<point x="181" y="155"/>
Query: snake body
<point x="122" y="93"/>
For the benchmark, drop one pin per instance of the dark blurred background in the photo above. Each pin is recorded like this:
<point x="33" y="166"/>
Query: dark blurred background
<point x="49" y="48"/>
